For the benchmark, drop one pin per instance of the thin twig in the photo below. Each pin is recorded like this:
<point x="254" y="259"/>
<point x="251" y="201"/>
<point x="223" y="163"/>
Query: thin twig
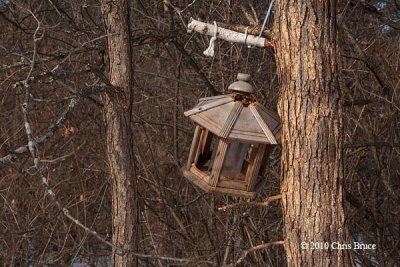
<point x="9" y="159"/>
<point x="258" y="247"/>
<point x="263" y="203"/>
<point x="189" y="59"/>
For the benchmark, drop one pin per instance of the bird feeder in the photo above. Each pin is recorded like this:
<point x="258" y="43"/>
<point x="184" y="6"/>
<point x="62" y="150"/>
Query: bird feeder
<point x="233" y="137"/>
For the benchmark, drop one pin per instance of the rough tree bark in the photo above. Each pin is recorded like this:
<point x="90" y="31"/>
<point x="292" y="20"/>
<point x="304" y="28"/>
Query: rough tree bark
<point x="312" y="138"/>
<point x="117" y="119"/>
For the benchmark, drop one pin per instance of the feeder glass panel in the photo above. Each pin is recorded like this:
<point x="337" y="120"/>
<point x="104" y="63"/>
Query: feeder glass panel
<point x="237" y="160"/>
<point x="234" y="160"/>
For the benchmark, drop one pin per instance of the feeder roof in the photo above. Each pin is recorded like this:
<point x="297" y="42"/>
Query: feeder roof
<point x="228" y="116"/>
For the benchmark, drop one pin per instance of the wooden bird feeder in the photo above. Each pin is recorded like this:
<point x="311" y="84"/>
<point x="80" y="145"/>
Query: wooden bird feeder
<point x="232" y="140"/>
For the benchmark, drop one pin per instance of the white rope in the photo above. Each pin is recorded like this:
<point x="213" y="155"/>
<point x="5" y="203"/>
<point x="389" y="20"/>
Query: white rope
<point x="209" y="52"/>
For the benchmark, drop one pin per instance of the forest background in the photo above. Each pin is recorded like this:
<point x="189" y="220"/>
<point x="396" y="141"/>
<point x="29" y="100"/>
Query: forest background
<point x="59" y="50"/>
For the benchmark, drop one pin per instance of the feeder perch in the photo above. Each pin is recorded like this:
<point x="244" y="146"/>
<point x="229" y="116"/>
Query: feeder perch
<point x="232" y="140"/>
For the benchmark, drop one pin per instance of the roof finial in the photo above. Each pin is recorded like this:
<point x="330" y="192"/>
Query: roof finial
<point x="242" y="85"/>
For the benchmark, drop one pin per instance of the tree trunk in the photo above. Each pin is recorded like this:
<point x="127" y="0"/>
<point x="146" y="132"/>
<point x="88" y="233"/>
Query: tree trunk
<point x="312" y="138"/>
<point x="119" y="141"/>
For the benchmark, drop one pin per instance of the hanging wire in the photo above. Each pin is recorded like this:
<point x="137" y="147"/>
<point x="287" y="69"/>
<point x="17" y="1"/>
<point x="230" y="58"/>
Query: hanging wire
<point x="268" y="12"/>
<point x="266" y="17"/>
<point x="247" y="59"/>
<point x="248" y="50"/>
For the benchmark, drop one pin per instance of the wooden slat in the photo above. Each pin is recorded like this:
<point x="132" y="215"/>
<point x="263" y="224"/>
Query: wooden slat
<point x="194" y="178"/>
<point x="268" y="150"/>
<point x="270" y="113"/>
<point x="208" y="106"/>
<point x="255" y="168"/>
<point x="230" y="121"/>
<point x="233" y="184"/>
<point x="263" y="125"/>
<point x="204" y="175"/>
<point x="233" y="192"/>
<point x="218" y="162"/>
<point x="202" y="140"/>
<point x="249" y="171"/>
<point x="204" y="145"/>
<point x="193" y="148"/>
<point x="199" y="178"/>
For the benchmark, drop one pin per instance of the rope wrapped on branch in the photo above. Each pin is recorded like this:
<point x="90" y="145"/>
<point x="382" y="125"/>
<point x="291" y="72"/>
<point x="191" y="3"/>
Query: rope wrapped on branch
<point x="229" y="35"/>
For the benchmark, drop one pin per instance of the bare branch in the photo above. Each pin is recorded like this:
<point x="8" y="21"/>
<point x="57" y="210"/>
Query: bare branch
<point x="194" y="65"/>
<point x="229" y="35"/>
<point x="373" y="64"/>
<point x="372" y="144"/>
<point x="264" y="203"/>
<point x="258" y="247"/>
<point x="253" y="30"/>
<point x="8" y="159"/>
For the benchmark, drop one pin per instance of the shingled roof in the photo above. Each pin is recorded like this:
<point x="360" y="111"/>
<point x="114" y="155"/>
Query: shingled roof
<point x="229" y="117"/>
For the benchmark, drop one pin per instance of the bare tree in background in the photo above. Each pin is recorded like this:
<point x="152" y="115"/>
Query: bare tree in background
<point x="120" y="144"/>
